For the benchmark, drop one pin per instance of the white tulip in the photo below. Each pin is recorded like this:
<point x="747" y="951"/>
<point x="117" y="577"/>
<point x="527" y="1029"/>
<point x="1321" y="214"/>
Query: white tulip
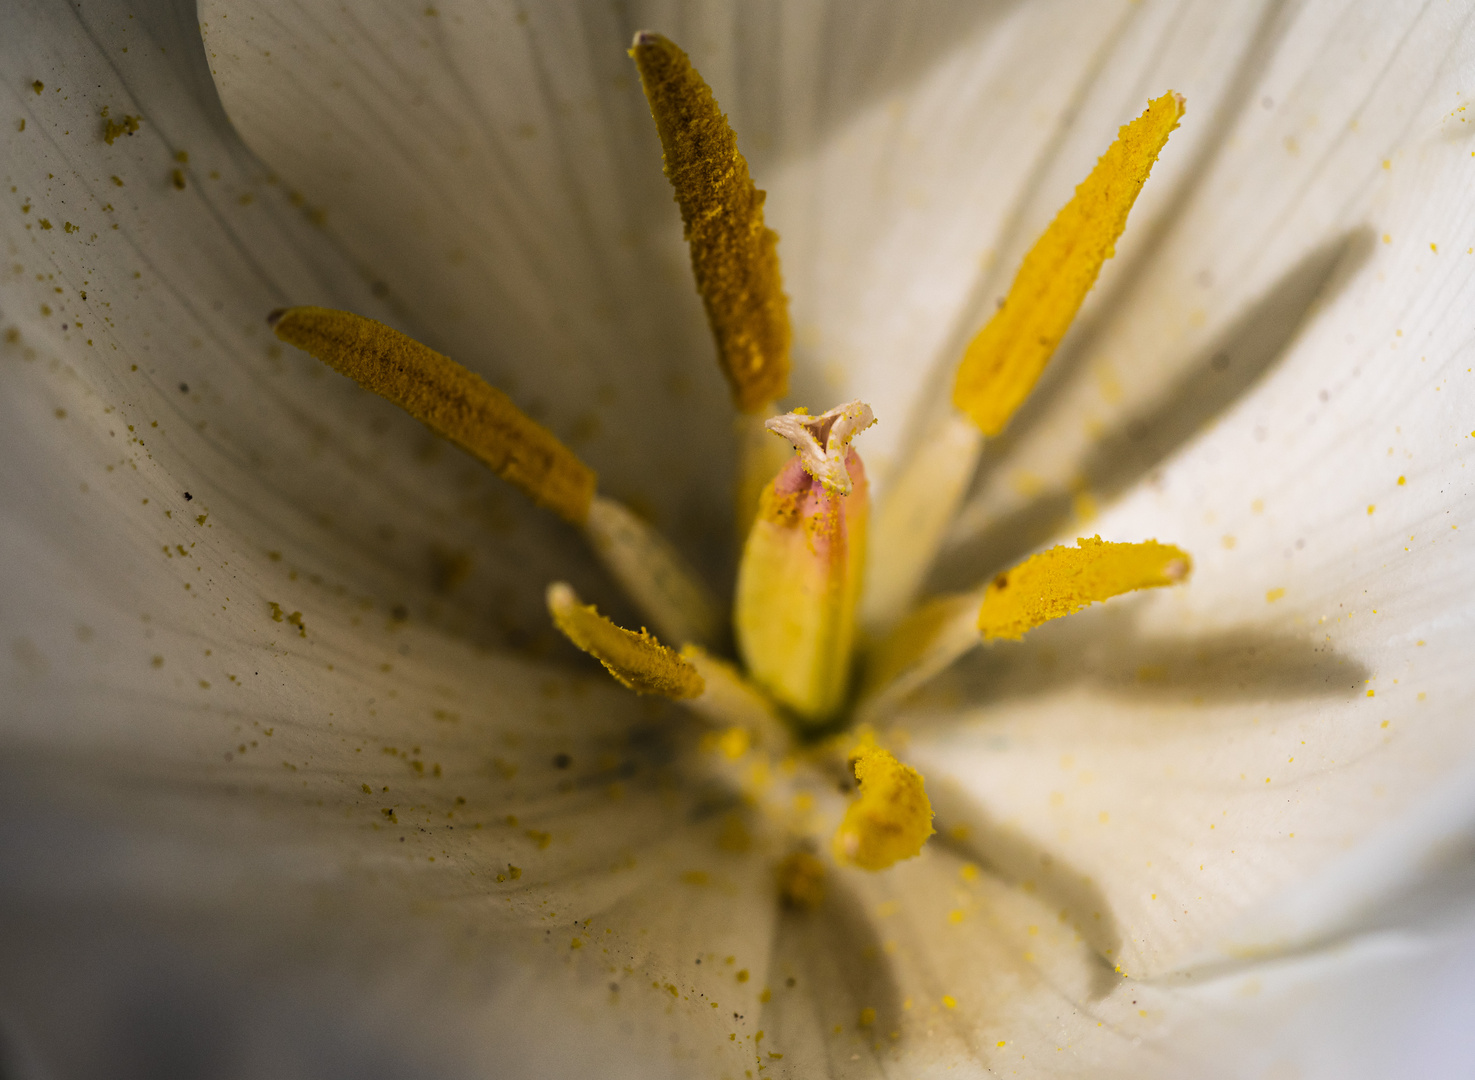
<point x="296" y="775"/>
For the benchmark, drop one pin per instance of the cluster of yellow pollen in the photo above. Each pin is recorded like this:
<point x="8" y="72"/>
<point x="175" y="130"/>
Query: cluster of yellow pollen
<point x="891" y="819"/>
<point x="1064" y="580"/>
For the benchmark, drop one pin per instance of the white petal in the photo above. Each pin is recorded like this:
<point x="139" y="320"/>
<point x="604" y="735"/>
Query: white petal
<point x="1196" y="756"/>
<point x="500" y="172"/>
<point x="268" y="772"/>
<point x="1391" y="1004"/>
<point x="272" y="472"/>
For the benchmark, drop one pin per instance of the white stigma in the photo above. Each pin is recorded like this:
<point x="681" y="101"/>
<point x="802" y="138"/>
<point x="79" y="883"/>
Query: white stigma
<point x="822" y="441"/>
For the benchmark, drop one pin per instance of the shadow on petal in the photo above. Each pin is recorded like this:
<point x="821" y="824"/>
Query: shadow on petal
<point x="967" y="828"/>
<point x="1210" y="384"/>
<point x="828" y="973"/>
<point x="1104" y="651"/>
<point x="988" y="291"/>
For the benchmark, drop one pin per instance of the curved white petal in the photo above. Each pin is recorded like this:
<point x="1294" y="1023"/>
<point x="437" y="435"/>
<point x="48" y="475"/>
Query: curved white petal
<point x="548" y="257"/>
<point x="1195" y="756"/>
<point x="498" y="170"/>
<point x="272" y="684"/>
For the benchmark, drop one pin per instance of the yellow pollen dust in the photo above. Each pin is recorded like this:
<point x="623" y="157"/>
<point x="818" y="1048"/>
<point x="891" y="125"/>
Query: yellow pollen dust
<point x="1005" y="359"/>
<point x="1064" y="580"/>
<point x="891" y="818"/>
<point x="637" y="661"/>
<point x="801" y="881"/>
<point x="448" y="399"/>
<point x="734" y="256"/>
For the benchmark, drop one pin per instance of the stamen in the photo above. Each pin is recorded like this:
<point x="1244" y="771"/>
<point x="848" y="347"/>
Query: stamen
<point x="638" y="661"/>
<point x="921" y="501"/>
<point x="1064" y="580"/>
<point x="799" y="580"/>
<point x="891" y="818"/>
<point x="479" y="418"/>
<point x="1003" y="362"/>
<point x="447" y="398"/>
<point x="733" y="255"/>
<point x="653" y="573"/>
<point x="922" y="645"/>
<point x="1046" y="586"/>
<point x="822" y="442"/>
<point x="1005" y="359"/>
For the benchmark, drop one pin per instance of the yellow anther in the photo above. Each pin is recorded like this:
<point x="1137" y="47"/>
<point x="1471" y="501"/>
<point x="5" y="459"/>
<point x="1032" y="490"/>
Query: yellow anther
<point x="733" y="254"/>
<point x="1066" y="579"/>
<point x="638" y="661"/>
<point x="891" y="818"/>
<point x="448" y="399"/>
<point x="1005" y="360"/>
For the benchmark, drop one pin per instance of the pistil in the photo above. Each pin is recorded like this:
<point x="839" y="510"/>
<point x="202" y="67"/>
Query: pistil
<point x="799" y="580"/>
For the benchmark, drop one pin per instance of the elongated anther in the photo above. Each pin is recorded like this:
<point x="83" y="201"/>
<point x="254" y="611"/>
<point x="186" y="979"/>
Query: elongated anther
<point x="734" y="256"/>
<point x="447" y="398"/>
<point x="1046" y="586"/>
<point x="1064" y="580"/>
<point x="1002" y="364"/>
<point x="890" y="819"/>
<point x="638" y="661"/>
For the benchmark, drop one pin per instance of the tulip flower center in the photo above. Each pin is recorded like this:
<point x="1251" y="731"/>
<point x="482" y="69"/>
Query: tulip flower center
<point x="817" y="582"/>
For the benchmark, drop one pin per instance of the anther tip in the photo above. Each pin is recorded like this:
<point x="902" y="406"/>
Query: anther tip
<point x="275" y="317"/>
<point x="560" y="596"/>
<point x="645" y="37"/>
